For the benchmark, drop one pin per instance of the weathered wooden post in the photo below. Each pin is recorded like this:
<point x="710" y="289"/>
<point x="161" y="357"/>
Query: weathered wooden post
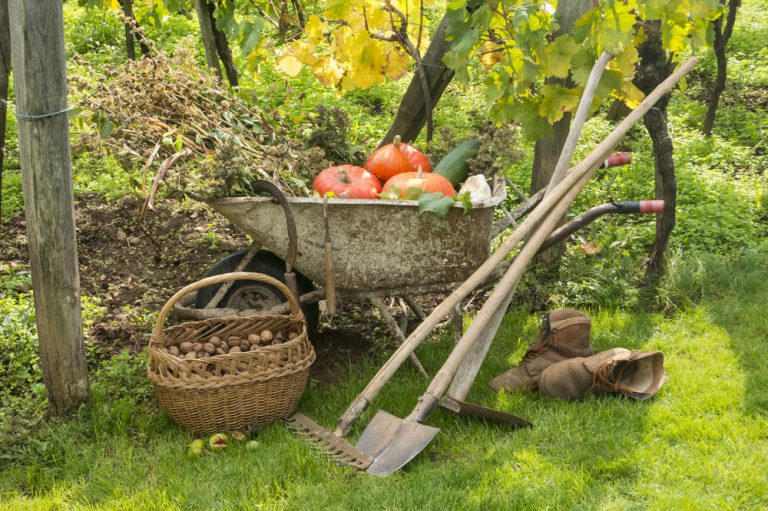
<point x="5" y="73"/>
<point x="40" y="79"/>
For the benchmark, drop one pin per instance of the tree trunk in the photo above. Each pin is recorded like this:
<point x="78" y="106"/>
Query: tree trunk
<point x="654" y="67"/>
<point x="666" y="189"/>
<point x="222" y="48"/>
<point x="546" y="153"/>
<point x="412" y="113"/>
<point x="40" y="80"/>
<point x="5" y="73"/>
<point x="547" y="150"/>
<point x="130" y="46"/>
<point x="205" y="20"/>
<point x="722" y="35"/>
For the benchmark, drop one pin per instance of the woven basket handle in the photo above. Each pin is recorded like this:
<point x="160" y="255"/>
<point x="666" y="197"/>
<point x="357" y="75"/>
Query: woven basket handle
<point x="217" y="279"/>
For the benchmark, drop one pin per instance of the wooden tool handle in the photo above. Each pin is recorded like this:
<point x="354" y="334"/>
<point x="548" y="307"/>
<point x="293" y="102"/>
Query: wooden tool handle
<point x="582" y="171"/>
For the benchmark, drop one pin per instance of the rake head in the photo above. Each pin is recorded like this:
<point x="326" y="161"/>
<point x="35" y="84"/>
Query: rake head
<point x="338" y="449"/>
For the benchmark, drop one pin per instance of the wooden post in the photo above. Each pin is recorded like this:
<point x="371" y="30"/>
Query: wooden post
<point x="40" y="79"/>
<point x="5" y="73"/>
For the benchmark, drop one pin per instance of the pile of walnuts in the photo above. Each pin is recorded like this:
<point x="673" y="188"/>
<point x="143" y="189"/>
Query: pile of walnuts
<point x="234" y="344"/>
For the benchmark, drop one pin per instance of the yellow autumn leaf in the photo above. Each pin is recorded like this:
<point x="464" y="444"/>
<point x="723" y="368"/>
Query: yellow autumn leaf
<point x="111" y="4"/>
<point x="328" y="71"/>
<point x="304" y="52"/>
<point x="490" y="54"/>
<point x="625" y="62"/>
<point x="631" y="95"/>
<point x="340" y="42"/>
<point x="398" y="64"/>
<point x="314" y="28"/>
<point x="289" y="65"/>
<point x="378" y="18"/>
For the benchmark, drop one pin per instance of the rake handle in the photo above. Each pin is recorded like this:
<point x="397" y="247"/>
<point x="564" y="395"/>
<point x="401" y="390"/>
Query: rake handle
<point x="583" y="170"/>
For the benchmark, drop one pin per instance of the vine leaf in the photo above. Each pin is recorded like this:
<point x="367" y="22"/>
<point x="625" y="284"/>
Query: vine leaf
<point x="557" y="56"/>
<point x="556" y="100"/>
<point x="436" y="203"/>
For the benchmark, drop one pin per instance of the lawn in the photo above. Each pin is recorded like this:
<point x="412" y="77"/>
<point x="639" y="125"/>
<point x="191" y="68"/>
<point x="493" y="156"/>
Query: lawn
<point x="700" y="444"/>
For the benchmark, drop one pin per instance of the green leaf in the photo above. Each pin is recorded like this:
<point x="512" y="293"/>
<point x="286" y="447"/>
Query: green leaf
<point x="526" y="112"/>
<point x="557" y="56"/>
<point x="465" y="200"/>
<point x="556" y="100"/>
<point x="412" y="194"/>
<point x="225" y="18"/>
<point x="391" y="194"/>
<point x="617" y="30"/>
<point x="252" y="32"/>
<point x="436" y="203"/>
<point x="582" y="64"/>
<point x="495" y="86"/>
<point x="609" y="82"/>
<point x="106" y="128"/>
<point x="455" y="5"/>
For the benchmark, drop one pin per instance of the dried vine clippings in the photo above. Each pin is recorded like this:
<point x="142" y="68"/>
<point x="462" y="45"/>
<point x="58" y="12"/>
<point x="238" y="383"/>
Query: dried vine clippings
<point x="145" y="112"/>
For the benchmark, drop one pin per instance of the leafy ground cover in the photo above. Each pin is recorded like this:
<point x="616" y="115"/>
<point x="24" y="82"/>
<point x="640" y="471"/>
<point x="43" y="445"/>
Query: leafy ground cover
<point x="700" y="444"/>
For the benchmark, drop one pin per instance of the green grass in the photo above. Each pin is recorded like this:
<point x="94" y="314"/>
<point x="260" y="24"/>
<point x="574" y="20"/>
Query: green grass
<point x="699" y="444"/>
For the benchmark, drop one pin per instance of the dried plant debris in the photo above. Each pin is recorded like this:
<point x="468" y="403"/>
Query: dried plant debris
<point x="500" y="148"/>
<point x="149" y="110"/>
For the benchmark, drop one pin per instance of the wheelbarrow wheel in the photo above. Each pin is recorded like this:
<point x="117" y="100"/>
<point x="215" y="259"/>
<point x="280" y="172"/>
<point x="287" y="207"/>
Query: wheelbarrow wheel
<point x="246" y="294"/>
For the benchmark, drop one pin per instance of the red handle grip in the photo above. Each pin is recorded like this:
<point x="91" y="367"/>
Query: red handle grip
<point x="652" y="206"/>
<point x="616" y="159"/>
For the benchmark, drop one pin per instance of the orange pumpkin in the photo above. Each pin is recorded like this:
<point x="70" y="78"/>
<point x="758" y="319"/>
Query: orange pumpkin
<point x="347" y="182"/>
<point x="409" y="184"/>
<point x="396" y="158"/>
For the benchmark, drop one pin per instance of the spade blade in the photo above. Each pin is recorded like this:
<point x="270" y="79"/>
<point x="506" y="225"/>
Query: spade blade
<point x="393" y="442"/>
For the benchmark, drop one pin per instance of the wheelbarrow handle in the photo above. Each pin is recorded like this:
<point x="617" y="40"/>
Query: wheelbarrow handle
<point x="261" y="185"/>
<point x="621" y="207"/>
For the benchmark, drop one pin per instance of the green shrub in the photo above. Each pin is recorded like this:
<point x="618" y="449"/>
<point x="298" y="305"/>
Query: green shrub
<point x="103" y="176"/>
<point x="12" y="196"/>
<point x="95" y="33"/>
<point x="20" y="369"/>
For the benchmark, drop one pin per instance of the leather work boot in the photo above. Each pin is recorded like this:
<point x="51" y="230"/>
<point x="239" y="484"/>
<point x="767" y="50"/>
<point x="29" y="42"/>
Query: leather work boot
<point x="636" y="374"/>
<point x="564" y="334"/>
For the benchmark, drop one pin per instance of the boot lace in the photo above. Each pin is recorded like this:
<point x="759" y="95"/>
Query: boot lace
<point x="540" y="346"/>
<point x="604" y="379"/>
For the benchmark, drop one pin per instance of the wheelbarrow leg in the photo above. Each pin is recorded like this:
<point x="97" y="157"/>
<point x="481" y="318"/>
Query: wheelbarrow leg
<point x="415" y="307"/>
<point x="395" y="329"/>
<point x="247" y="258"/>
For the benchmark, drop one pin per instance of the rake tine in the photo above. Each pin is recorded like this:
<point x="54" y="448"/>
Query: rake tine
<point x="328" y="444"/>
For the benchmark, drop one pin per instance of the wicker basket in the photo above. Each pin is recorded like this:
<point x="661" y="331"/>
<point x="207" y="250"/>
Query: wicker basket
<point x="232" y="391"/>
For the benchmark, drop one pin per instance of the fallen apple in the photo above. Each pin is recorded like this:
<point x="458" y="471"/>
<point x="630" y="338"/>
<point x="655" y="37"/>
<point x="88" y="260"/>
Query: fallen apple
<point x="196" y="447"/>
<point x="218" y="441"/>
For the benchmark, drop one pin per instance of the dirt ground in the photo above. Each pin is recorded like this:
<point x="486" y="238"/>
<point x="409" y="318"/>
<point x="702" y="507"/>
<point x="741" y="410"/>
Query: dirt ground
<point x="133" y="267"/>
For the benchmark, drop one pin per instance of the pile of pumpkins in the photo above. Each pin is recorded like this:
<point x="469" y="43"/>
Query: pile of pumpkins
<point x="401" y="168"/>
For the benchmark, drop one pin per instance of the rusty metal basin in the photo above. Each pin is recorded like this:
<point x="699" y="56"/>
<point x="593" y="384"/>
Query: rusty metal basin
<point x="379" y="246"/>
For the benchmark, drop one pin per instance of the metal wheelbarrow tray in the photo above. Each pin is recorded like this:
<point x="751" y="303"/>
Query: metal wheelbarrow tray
<point x="381" y="247"/>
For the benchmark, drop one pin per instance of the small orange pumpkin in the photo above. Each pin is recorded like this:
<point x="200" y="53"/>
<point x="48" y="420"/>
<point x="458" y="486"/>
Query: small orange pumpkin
<point x="409" y="183"/>
<point x="396" y="158"/>
<point x="347" y="182"/>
